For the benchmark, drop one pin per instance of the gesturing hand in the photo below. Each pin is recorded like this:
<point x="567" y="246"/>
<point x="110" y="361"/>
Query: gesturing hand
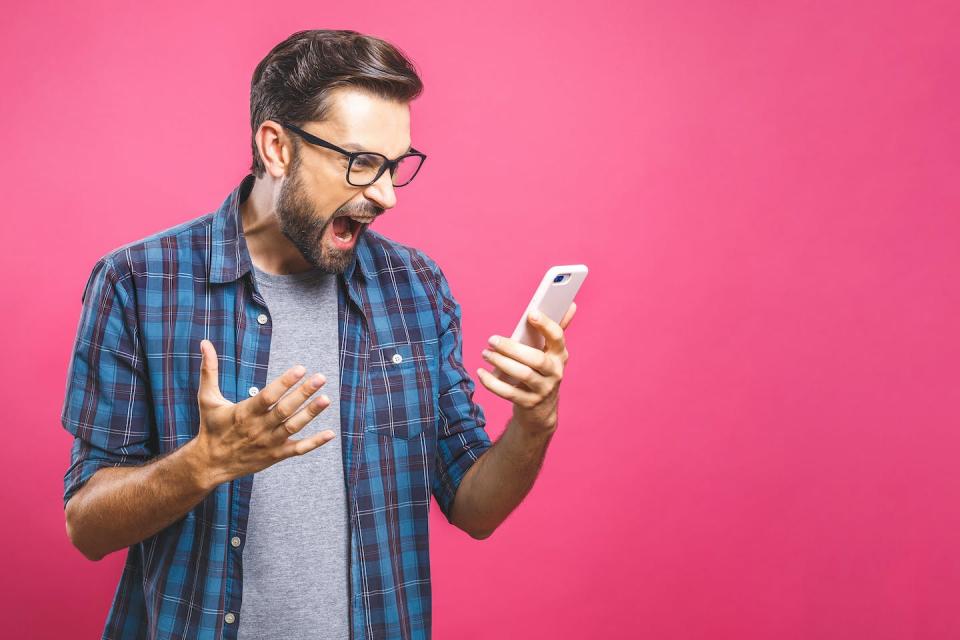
<point x="247" y="436"/>
<point x="537" y="371"/>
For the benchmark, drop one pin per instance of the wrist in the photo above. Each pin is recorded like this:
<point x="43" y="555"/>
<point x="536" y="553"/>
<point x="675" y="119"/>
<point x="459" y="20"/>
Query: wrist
<point x="201" y="467"/>
<point x="534" y="425"/>
<point x="533" y="430"/>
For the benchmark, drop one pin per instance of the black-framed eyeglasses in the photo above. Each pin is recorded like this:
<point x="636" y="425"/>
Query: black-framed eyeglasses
<point x="366" y="167"/>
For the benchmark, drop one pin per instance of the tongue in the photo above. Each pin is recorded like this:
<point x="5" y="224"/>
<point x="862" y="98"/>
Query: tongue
<point x="341" y="226"/>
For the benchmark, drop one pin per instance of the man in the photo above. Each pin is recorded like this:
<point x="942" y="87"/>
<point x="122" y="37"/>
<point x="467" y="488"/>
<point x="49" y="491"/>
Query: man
<point x="190" y="376"/>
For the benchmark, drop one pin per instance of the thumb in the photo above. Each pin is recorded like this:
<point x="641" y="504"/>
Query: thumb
<point x="209" y="373"/>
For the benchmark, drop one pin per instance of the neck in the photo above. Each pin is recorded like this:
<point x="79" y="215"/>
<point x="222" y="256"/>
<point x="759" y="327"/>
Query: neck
<point x="269" y="249"/>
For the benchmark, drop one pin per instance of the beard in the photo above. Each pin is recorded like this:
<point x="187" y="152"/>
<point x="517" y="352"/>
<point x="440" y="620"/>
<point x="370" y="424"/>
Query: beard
<point x="305" y="230"/>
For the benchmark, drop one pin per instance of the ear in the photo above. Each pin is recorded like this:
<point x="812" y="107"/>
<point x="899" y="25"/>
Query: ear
<point x="274" y="146"/>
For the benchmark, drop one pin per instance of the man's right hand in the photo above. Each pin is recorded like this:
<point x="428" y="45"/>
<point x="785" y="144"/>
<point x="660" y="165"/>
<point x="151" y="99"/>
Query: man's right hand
<point x="236" y="439"/>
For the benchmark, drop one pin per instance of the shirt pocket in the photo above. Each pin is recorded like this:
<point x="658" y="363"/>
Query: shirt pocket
<point x="402" y="399"/>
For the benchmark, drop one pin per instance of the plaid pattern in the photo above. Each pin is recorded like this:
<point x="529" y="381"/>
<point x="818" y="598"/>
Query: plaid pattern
<point x="409" y="425"/>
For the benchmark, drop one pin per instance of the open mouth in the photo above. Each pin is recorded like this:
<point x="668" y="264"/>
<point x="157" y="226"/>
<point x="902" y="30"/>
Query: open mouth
<point x="345" y="228"/>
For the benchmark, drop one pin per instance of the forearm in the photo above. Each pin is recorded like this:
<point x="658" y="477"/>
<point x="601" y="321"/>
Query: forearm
<point x="499" y="480"/>
<point x="121" y="506"/>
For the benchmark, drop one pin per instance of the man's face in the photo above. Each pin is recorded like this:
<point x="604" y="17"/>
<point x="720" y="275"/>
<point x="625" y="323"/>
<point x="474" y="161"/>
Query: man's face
<point x="315" y="191"/>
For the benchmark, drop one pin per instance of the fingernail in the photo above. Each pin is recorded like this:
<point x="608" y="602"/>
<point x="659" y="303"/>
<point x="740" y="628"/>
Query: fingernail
<point x="299" y="370"/>
<point x="494" y="340"/>
<point x="535" y="315"/>
<point x="316" y="379"/>
<point x="485" y="354"/>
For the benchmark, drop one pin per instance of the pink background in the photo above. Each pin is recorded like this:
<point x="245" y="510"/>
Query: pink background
<point x="759" y="423"/>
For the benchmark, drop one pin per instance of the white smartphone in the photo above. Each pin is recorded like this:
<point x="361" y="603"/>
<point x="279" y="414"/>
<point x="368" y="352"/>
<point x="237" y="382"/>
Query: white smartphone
<point x="552" y="298"/>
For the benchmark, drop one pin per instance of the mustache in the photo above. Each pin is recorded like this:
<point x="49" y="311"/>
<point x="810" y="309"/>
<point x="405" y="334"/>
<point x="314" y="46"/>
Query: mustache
<point x="364" y="212"/>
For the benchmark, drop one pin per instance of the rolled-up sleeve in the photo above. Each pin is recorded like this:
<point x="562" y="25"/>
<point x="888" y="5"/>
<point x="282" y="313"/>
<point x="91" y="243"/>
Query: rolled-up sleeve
<point x="106" y="404"/>
<point x="461" y="437"/>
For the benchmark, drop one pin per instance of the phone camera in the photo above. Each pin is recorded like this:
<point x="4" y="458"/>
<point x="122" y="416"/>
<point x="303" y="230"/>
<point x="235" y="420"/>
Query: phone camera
<point x="561" y="277"/>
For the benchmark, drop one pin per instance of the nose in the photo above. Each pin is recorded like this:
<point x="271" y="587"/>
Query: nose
<point x="382" y="191"/>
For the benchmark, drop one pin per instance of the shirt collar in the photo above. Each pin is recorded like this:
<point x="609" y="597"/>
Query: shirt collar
<point x="229" y="257"/>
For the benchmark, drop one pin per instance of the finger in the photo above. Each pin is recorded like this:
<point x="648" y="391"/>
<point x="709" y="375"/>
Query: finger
<point x="263" y="402"/>
<point x="518" y="371"/>
<point x="568" y="316"/>
<point x="302" y="417"/>
<point x="552" y="333"/>
<point x="534" y="358"/>
<point x="288" y="404"/>
<point x="306" y="445"/>
<point x="507" y="391"/>
<point x="209" y="390"/>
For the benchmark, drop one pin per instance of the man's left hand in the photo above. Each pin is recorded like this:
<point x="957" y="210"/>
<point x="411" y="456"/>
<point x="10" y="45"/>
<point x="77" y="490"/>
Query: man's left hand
<point x="539" y="372"/>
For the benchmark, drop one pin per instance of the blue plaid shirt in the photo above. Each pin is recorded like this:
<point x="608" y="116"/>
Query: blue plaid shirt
<point x="409" y="426"/>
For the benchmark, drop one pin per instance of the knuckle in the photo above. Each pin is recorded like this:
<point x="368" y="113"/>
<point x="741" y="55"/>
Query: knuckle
<point x="289" y="427"/>
<point x="263" y="399"/>
<point x="558" y="364"/>
<point x="310" y="386"/>
<point x="280" y="414"/>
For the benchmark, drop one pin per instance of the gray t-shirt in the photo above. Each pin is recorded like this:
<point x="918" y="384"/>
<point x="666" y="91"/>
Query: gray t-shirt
<point x="295" y="557"/>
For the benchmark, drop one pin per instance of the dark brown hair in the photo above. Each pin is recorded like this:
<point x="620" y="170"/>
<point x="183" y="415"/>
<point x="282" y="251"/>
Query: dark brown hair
<point x="294" y="80"/>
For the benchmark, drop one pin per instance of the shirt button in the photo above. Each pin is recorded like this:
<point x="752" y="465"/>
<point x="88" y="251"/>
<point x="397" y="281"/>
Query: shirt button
<point x="397" y="358"/>
<point x="229" y="618"/>
<point x="235" y="541"/>
<point x="254" y="391"/>
<point x="262" y="318"/>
